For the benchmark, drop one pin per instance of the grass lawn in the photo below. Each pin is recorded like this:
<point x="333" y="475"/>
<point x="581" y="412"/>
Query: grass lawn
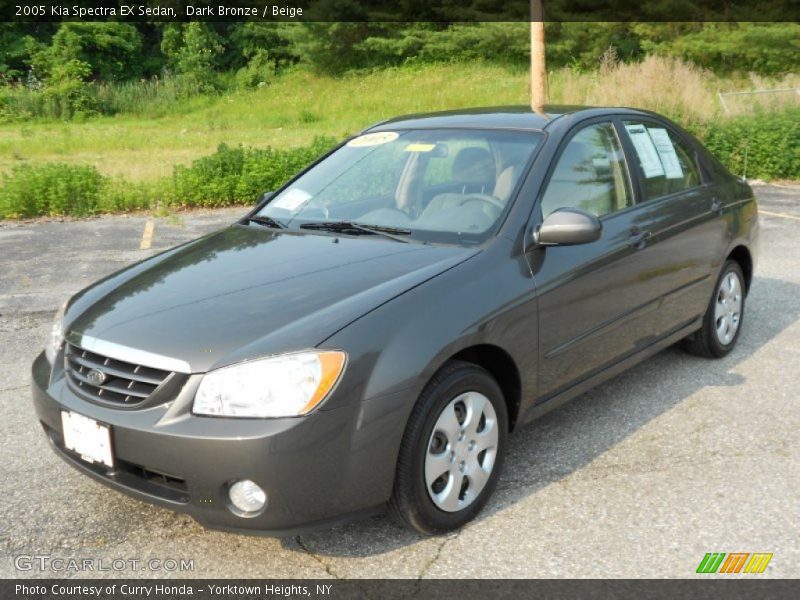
<point x="300" y="105"/>
<point x="290" y="112"/>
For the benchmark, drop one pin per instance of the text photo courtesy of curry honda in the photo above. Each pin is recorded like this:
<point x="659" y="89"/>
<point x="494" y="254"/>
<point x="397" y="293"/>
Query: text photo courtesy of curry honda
<point x="370" y="291"/>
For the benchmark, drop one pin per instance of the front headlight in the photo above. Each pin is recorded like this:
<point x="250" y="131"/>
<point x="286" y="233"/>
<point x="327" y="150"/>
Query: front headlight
<point x="287" y="385"/>
<point x="56" y="337"/>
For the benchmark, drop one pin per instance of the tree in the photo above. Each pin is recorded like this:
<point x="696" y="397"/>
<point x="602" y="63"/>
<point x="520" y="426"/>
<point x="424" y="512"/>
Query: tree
<point x="110" y="51"/>
<point x="330" y="46"/>
<point x="16" y="42"/>
<point x="193" y="53"/>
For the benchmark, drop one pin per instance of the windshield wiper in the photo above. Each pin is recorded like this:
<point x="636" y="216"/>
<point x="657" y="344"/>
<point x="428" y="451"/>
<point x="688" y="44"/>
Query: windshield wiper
<point x="353" y="228"/>
<point x="267" y="221"/>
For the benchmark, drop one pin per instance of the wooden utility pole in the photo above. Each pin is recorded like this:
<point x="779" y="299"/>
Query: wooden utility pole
<point x="538" y="70"/>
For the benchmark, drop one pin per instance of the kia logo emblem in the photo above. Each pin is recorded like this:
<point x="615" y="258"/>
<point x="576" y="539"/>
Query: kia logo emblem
<point x="96" y="377"/>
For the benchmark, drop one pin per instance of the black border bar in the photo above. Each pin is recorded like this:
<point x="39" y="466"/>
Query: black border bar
<point x="716" y="587"/>
<point x="442" y="11"/>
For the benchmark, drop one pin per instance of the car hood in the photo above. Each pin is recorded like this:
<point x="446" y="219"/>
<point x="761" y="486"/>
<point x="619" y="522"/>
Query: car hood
<point x="246" y="292"/>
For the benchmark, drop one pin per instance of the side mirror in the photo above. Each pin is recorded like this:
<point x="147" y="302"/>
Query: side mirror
<point x="568" y="226"/>
<point x="265" y="196"/>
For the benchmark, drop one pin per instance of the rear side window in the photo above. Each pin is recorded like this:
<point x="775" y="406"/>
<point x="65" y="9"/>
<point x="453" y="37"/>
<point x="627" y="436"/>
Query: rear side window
<point x="590" y="174"/>
<point x="666" y="164"/>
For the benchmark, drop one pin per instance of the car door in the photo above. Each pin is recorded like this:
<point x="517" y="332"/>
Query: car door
<point x="686" y="232"/>
<point x="596" y="300"/>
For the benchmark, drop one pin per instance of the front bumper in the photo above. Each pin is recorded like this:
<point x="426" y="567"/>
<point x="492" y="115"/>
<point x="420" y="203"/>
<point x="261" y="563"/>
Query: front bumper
<point x="317" y="470"/>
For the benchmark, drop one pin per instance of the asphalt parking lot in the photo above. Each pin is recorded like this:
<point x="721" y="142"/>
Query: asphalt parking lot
<point x="638" y="478"/>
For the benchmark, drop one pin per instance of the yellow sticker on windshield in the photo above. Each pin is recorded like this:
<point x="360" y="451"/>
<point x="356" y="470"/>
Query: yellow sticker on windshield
<point x="420" y="147"/>
<point x="373" y="139"/>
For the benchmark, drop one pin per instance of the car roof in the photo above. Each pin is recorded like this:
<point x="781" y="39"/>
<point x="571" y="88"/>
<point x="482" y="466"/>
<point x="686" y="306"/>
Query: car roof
<point x="495" y="117"/>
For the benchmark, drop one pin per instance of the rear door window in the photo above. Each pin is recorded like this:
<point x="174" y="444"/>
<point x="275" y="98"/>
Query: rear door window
<point x="666" y="164"/>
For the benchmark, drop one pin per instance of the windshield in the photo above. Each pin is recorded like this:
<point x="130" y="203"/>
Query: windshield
<point x="436" y="185"/>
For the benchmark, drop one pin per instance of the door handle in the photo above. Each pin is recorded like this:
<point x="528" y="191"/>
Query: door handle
<point x="716" y="206"/>
<point x="638" y="238"/>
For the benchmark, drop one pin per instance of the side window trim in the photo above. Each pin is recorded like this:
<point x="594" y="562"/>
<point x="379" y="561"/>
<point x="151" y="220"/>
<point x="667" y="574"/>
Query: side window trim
<point x="633" y="184"/>
<point x="637" y="185"/>
<point x="629" y="148"/>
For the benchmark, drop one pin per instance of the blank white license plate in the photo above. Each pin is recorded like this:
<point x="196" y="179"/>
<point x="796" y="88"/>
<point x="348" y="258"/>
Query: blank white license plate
<point x="88" y="438"/>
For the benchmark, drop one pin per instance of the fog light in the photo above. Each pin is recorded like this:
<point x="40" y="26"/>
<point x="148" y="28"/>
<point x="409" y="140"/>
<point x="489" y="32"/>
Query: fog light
<point x="247" y="497"/>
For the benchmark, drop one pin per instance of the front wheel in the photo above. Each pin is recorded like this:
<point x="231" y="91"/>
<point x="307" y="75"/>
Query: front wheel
<point x="724" y="316"/>
<point x="452" y="450"/>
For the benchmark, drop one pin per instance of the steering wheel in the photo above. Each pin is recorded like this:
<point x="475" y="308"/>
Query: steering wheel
<point x="487" y="198"/>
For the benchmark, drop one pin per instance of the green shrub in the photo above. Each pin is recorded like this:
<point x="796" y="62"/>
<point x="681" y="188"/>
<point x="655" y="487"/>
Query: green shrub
<point x="506" y="43"/>
<point x="120" y="195"/>
<point x="193" y="52"/>
<point x="67" y="93"/>
<point x="110" y="51"/>
<point x="227" y="177"/>
<point x="260" y="71"/>
<point x="764" y="48"/>
<point x="769" y="143"/>
<point x="239" y="175"/>
<point x="50" y="189"/>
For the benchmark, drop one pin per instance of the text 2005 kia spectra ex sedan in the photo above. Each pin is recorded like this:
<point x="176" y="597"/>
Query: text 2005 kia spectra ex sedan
<point x="369" y="335"/>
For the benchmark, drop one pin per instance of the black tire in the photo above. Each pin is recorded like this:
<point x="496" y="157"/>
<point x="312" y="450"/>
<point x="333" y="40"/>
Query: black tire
<point x="706" y="342"/>
<point x="410" y="504"/>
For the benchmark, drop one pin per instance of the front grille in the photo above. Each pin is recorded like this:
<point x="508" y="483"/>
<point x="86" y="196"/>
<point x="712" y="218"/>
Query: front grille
<point x="126" y="384"/>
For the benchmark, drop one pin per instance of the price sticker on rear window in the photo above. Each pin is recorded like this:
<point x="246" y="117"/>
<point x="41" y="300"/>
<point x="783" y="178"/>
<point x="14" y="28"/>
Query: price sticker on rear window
<point x="666" y="151"/>
<point x="373" y="139"/>
<point x="648" y="156"/>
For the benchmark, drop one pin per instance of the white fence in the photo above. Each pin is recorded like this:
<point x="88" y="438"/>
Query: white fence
<point x="723" y="95"/>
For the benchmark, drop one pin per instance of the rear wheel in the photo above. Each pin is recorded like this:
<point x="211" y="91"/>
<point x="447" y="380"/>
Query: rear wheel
<point x="452" y="450"/>
<point x="722" y="322"/>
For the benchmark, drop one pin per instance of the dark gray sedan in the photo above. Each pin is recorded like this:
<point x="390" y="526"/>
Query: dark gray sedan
<point x="370" y="334"/>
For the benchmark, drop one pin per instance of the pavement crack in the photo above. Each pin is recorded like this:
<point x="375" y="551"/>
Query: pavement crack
<point x="328" y="568"/>
<point x="427" y="566"/>
<point x="13" y="389"/>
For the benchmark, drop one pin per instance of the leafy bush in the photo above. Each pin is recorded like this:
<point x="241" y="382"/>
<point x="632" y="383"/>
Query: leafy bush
<point x="764" y="48"/>
<point x="50" y="189"/>
<point x="227" y="177"/>
<point x="64" y="95"/>
<point x="67" y="94"/>
<point x="258" y="72"/>
<point x="193" y="51"/>
<point x="121" y="195"/>
<point x="506" y="43"/>
<point x="62" y="73"/>
<point x="239" y="175"/>
<point x="764" y="146"/>
<point x="334" y="48"/>
<point x="109" y="51"/>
